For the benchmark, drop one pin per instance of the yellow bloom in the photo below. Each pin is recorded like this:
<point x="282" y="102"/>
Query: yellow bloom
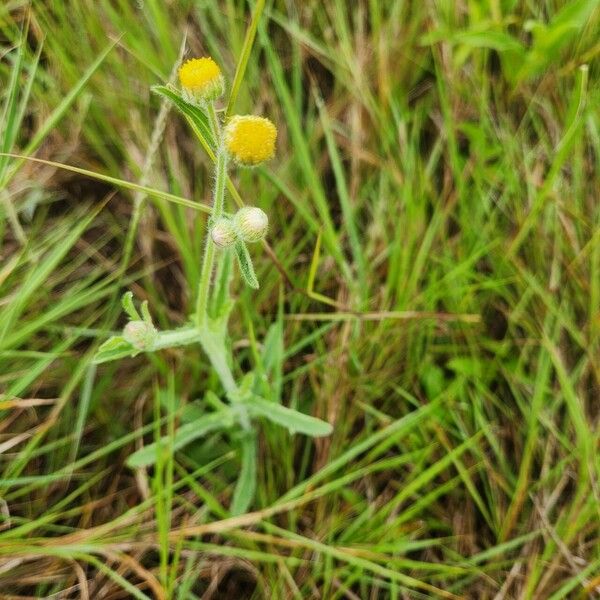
<point x="250" y="140"/>
<point x="201" y="79"/>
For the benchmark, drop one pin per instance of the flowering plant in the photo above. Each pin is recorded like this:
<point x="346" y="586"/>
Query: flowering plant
<point x="245" y="141"/>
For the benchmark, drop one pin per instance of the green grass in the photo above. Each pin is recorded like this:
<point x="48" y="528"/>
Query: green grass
<point x="431" y="288"/>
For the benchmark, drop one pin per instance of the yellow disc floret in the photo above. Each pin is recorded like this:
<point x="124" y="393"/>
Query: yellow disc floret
<point x="250" y="140"/>
<point x="201" y="79"/>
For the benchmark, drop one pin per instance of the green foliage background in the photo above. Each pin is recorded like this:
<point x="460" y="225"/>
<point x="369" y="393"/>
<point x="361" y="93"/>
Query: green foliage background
<point x="431" y="288"/>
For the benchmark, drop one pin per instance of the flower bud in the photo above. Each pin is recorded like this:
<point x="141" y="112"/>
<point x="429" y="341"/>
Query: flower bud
<point x="140" y="335"/>
<point x="201" y="80"/>
<point x="250" y="140"/>
<point x="251" y="223"/>
<point x="223" y="233"/>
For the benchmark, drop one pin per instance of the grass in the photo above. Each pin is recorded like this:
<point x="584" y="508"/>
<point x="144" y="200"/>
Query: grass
<point x="431" y="288"/>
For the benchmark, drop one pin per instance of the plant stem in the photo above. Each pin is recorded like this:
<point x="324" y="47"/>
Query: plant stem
<point x="213" y="305"/>
<point x="209" y="250"/>
<point x="212" y="343"/>
<point x="205" y="276"/>
<point x="214" y="120"/>
<point x="220" y="294"/>
<point x="177" y="337"/>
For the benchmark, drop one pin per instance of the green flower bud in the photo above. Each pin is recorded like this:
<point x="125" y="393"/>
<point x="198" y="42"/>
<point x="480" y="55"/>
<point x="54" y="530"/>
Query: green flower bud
<point x="140" y="335"/>
<point x="251" y="223"/>
<point x="223" y="233"/>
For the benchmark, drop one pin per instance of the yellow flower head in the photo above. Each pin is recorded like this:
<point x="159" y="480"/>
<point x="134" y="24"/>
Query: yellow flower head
<point x="201" y="79"/>
<point x="250" y="140"/>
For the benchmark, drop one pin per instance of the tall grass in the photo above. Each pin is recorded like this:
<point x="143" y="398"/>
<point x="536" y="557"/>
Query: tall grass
<point x="431" y="287"/>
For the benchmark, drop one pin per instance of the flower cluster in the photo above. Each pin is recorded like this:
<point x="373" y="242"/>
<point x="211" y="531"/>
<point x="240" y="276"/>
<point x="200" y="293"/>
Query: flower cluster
<point x="248" y="141"/>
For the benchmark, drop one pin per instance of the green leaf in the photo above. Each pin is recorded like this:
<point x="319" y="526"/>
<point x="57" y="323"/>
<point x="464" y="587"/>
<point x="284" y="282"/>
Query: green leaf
<point x="467" y="366"/>
<point x="433" y="380"/>
<point x="294" y="421"/>
<point x="129" y="307"/>
<point x="549" y="40"/>
<point x="221" y="303"/>
<point x="574" y="15"/>
<point x="244" y="56"/>
<point x="245" y="264"/>
<point x="272" y="356"/>
<point x="246" y="483"/>
<point x="183" y="436"/>
<point x="146" y="312"/>
<point x="197" y="118"/>
<point x="247" y="383"/>
<point x="114" y="348"/>
<point x="496" y="40"/>
<point x="481" y="37"/>
<point x="118" y="182"/>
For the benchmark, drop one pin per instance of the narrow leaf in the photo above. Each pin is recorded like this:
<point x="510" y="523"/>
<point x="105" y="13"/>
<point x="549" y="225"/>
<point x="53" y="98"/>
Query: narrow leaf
<point x="146" y="312"/>
<point x="294" y="421"/>
<point x="245" y="55"/>
<point x="272" y="356"/>
<point x="118" y="182"/>
<point x="114" y="348"/>
<point x="129" y="307"/>
<point x="183" y="436"/>
<point x="245" y="263"/>
<point x="246" y="483"/>
<point x="197" y="118"/>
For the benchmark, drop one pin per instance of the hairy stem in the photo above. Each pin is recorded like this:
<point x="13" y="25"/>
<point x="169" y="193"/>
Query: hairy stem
<point x="214" y="120"/>
<point x="209" y="250"/>
<point x="205" y="277"/>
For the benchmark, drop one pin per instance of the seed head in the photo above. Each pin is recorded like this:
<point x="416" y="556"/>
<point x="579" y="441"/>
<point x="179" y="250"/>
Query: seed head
<point x="250" y="140"/>
<point x="223" y="233"/>
<point x="251" y="223"/>
<point x="201" y="79"/>
<point x="140" y="335"/>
